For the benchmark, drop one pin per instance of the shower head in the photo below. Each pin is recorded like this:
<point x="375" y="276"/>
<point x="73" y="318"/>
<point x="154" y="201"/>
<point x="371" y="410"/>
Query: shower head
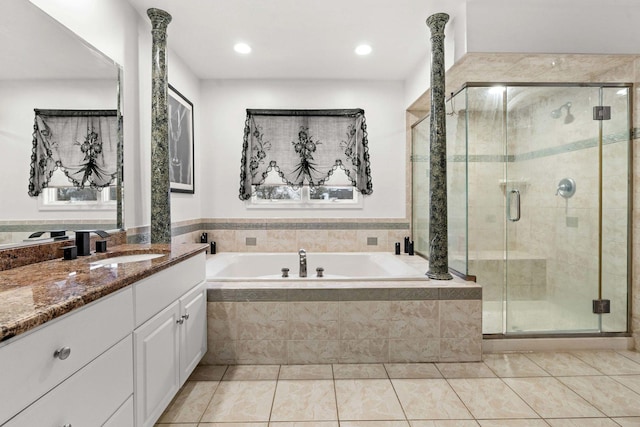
<point x="557" y="113"/>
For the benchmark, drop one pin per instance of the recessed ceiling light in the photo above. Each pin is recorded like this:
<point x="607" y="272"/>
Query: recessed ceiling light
<point x="363" y="49"/>
<point x="242" y="48"/>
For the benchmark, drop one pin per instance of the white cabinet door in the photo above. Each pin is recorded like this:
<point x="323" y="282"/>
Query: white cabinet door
<point x="156" y="349"/>
<point x="193" y="333"/>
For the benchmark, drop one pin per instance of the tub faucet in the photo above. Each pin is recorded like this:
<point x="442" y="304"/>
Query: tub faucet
<point x="303" y="263"/>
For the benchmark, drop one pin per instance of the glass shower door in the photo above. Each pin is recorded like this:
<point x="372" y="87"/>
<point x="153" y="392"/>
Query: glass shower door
<point x="552" y="209"/>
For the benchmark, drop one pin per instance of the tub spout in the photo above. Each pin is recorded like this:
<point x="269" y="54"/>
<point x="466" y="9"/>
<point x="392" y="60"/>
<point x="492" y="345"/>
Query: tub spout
<point x="303" y="263"/>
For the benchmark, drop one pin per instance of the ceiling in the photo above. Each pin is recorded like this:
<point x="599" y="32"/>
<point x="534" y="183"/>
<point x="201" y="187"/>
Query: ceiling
<point x="35" y="46"/>
<point x="299" y="39"/>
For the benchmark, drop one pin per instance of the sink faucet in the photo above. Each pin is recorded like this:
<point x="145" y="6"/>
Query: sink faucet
<point x="303" y="262"/>
<point x="83" y="242"/>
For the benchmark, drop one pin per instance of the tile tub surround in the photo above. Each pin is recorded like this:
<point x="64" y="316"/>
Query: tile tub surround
<point x="381" y="322"/>
<point x="287" y="234"/>
<point x="32" y="295"/>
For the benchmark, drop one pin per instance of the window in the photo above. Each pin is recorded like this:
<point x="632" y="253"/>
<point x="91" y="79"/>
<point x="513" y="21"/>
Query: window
<point x="62" y="196"/>
<point x="335" y="194"/>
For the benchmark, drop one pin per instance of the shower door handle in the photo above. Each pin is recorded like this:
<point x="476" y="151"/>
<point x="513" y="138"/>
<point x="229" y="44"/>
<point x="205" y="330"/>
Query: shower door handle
<point x="511" y="194"/>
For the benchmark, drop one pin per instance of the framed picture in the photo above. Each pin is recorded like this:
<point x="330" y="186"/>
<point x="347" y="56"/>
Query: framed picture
<point x="181" y="144"/>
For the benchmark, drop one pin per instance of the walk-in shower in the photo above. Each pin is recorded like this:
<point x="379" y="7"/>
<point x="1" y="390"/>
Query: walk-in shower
<point x="538" y="203"/>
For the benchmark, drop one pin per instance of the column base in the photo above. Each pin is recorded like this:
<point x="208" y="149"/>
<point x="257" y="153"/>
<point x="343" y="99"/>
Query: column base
<point x="439" y="276"/>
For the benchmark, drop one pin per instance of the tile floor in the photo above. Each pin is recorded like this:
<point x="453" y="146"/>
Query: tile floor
<point x="576" y="389"/>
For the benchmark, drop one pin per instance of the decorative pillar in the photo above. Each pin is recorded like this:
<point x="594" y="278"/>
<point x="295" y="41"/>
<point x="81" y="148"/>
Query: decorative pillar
<point x="438" y="245"/>
<point x="120" y="158"/>
<point x="160" y="190"/>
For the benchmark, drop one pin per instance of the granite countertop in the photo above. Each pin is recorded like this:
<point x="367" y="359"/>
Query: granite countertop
<point x="34" y="294"/>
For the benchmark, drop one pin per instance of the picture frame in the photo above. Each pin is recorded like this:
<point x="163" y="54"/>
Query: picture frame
<point x="181" y="142"/>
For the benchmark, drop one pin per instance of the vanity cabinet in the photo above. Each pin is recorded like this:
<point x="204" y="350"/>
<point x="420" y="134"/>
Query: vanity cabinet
<point x="70" y="366"/>
<point x="169" y="345"/>
<point x="117" y="362"/>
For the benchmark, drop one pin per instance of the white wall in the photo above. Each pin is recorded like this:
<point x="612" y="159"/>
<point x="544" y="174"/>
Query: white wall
<point x="224" y="104"/>
<point x="19" y="98"/>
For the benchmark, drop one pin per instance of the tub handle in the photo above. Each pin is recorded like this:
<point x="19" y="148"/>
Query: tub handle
<point x="285" y="272"/>
<point x="320" y="271"/>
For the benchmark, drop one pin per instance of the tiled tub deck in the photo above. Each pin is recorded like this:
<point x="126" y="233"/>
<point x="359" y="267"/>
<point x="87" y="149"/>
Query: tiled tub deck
<point x="344" y="322"/>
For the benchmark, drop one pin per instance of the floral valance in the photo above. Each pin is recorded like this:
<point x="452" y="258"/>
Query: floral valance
<point x="82" y="143"/>
<point x="305" y="147"/>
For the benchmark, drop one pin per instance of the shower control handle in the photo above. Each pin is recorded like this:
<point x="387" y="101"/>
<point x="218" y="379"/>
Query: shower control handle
<point x="566" y="188"/>
<point x="517" y="194"/>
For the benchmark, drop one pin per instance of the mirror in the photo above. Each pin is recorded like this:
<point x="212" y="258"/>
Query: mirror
<point x="46" y="66"/>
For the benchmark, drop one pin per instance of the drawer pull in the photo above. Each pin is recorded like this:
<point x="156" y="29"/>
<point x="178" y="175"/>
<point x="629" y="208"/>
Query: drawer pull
<point x="62" y="354"/>
<point x="67" y="425"/>
<point x="186" y="316"/>
<point x="180" y="321"/>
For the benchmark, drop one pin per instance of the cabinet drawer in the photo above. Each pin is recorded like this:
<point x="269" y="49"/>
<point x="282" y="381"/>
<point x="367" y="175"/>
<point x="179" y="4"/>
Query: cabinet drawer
<point x="29" y="364"/>
<point x="88" y="398"/>
<point x="158" y="291"/>
<point x="124" y="417"/>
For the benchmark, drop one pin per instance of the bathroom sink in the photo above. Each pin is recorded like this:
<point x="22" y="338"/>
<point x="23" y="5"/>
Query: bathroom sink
<point x="121" y="259"/>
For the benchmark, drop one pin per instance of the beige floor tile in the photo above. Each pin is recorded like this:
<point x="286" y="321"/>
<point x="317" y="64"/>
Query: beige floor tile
<point x="606" y="394"/>
<point x="251" y="372"/>
<point x="513" y="423"/>
<point x="231" y="425"/>
<point x="366" y="399"/>
<point x="491" y="398"/>
<point x="176" y="425"/>
<point x="190" y="402"/>
<point x="444" y="423"/>
<point x="208" y="373"/>
<point x="359" y="371"/>
<point x="465" y="370"/>
<point x="631" y="354"/>
<point x="551" y="399"/>
<point x="582" y="422"/>
<point x="241" y="401"/>
<point x="412" y="370"/>
<point x="306" y="372"/>
<point x="374" y="424"/>
<point x="302" y="424"/>
<point x="628" y="421"/>
<point x="513" y="365"/>
<point x="304" y="400"/>
<point x="429" y="399"/>
<point x="562" y="364"/>
<point x="631" y="381"/>
<point x="609" y="362"/>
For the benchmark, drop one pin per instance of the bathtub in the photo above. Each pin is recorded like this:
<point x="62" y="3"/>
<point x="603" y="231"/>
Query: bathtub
<point x="370" y="308"/>
<point x="347" y="266"/>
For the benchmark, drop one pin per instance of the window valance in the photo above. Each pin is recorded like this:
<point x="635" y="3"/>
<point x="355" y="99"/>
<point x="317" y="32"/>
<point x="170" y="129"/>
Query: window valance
<point x="82" y="143"/>
<point x="305" y="147"/>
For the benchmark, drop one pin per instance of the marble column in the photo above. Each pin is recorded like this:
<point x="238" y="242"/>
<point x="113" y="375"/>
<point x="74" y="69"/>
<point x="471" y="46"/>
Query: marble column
<point x="160" y="191"/>
<point x="438" y="250"/>
<point x="120" y="158"/>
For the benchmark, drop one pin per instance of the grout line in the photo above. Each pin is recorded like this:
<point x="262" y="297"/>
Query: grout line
<point x="275" y="391"/>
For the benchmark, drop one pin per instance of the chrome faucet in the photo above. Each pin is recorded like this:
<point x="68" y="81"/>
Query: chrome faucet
<point x="303" y="263"/>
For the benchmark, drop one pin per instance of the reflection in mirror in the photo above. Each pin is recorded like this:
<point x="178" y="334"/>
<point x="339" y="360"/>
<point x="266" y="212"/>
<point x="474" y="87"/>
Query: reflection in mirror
<point x="46" y="66"/>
